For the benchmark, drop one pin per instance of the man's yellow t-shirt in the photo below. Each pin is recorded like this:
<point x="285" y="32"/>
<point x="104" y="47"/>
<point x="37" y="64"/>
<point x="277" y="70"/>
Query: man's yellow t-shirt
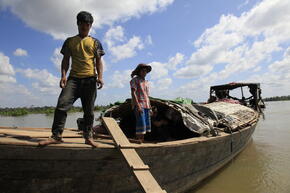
<point x="83" y="52"/>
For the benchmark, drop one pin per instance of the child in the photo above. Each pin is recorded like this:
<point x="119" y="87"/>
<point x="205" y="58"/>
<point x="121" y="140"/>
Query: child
<point x="140" y="100"/>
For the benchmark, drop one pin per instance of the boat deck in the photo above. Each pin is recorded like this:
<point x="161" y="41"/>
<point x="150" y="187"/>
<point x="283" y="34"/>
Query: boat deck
<point x="73" y="138"/>
<point x="31" y="136"/>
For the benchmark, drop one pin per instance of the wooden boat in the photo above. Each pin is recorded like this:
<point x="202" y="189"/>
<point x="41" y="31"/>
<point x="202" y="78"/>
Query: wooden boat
<point x="203" y="138"/>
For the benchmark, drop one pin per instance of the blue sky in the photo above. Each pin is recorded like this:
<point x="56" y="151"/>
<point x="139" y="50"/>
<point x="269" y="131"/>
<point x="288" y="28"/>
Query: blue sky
<point x="191" y="45"/>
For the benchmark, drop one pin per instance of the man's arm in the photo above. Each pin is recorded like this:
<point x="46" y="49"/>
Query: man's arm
<point x="64" y="69"/>
<point x="99" y="67"/>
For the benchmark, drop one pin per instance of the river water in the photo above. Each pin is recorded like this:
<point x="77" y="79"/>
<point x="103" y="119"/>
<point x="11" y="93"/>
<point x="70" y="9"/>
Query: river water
<point x="263" y="167"/>
<point x="40" y="120"/>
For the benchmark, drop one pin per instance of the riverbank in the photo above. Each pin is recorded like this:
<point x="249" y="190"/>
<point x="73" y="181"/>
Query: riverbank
<point x="277" y="98"/>
<point x="20" y="111"/>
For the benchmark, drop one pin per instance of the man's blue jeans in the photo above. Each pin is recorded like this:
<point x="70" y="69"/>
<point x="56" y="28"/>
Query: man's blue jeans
<point x="86" y="90"/>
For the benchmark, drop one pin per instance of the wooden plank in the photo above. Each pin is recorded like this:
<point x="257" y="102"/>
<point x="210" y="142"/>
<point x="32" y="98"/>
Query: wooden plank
<point x="147" y="181"/>
<point x="36" y="128"/>
<point x="116" y="132"/>
<point x="104" y="136"/>
<point x="35" y="134"/>
<point x="68" y="142"/>
<point x="133" y="158"/>
<point x="141" y="171"/>
<point x="16" y="141"/>
<point x="126" y="146"/>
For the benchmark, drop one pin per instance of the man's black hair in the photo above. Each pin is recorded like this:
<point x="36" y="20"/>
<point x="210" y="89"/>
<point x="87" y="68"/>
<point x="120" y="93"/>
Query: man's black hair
<point x="84" y="17"/>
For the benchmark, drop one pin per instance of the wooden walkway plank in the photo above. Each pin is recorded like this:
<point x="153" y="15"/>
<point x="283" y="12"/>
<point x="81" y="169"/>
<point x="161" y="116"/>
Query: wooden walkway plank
<point x="117" y="134"/>
<point x="141" y="171"/>
<point x="145" y="177"/>
<point x="133" y="159"/>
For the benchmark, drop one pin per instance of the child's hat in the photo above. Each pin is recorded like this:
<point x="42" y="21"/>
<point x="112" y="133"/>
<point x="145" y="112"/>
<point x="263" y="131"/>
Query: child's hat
<point x="140" y="66"/>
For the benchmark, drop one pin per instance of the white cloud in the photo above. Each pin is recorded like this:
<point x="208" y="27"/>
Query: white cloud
<point x="59" y="21"/>
<point x="257" y="69"/>
<point x="118" y="48"/>
<point x="18" y="89"/>
<point x="159" y="70"/>
<point x="193" y="71"/>
<point x="45" y="81"/>
<point x="149" y="40"/>
<point x="45" y="89"/>
<point x="159" y="88"/>
<point x="20" y="52"/>
<point x="127" y="50"/>
<point x="174" y="61"/>
<point x="114" y="35"/>
<point x="57" y="58"/>
<point x="235" y="46"/>
<point x="5" y="66"/>
<point x="240" y="44"/>
<point x="197" y="89"/>
<point x="13" y="95"/>
<point x="267" y="17"/>
<point x="104" y="64"/>
<point x="282" y="66"/>
<point x="276" y="81"/>
<point x="243" y="4"/>
<point x="120" y="79"/>
<point x="163" y="84"/>
<point x="244" y="58"/>
<point x="6" y="69"/>
<point x="6" y="78"/>
<point x="273" y="84"/>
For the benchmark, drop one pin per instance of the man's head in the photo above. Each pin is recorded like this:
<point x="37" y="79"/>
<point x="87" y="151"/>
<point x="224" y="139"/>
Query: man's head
<point x="84" y="21"/>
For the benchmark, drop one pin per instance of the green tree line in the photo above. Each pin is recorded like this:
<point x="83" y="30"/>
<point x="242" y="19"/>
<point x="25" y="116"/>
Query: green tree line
<point x="19" y="111"/>
<point x="277" y="98"/>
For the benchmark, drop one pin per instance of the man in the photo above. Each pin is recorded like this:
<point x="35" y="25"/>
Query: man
<point x="85" y="52"/>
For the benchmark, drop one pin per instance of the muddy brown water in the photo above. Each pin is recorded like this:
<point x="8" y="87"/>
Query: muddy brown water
<point x="264" y="166"/>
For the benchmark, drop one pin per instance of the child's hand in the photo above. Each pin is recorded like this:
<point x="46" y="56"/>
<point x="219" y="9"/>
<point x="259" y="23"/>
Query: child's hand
<point x="151" y="112"/>
<point x="139" y="109"/>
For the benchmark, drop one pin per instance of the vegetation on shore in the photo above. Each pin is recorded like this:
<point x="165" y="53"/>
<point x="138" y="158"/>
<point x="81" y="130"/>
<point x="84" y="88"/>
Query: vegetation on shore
<point x="277" y="98"/>
<point x="19" y="111"/>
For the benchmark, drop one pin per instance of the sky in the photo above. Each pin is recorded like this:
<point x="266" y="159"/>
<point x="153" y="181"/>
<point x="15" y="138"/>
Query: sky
<point x="191" y="45"/>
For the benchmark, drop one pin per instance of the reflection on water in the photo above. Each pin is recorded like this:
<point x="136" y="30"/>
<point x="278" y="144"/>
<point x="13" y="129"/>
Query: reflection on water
<point x="263" y="167"/>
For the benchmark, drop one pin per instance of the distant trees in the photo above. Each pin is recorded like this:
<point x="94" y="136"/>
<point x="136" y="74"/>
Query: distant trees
<point x="19" y="111"/>
<point x="277" y="98"/>
<point x="39" y="110"/>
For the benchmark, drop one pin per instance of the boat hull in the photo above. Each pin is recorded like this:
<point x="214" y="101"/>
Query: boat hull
<point x="177" y="166"/>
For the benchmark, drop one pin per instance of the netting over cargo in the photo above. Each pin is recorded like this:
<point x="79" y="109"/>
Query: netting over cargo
<point x="175" y="120"/>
